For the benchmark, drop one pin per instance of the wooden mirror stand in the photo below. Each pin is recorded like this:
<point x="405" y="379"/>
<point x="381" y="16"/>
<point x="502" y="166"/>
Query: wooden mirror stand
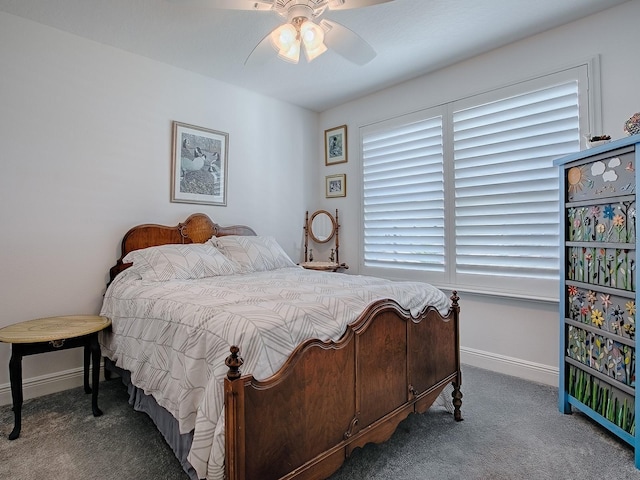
<point x="321" y="228"/>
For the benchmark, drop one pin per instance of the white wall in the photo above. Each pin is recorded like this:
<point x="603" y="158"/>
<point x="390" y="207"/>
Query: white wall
<point x="85" y="154"/>
<point x="512" y="336"/>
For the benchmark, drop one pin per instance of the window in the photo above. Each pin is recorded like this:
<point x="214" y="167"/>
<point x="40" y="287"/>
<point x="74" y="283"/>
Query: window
<point x="404" y="195"/>
<point x="466" y="195"/>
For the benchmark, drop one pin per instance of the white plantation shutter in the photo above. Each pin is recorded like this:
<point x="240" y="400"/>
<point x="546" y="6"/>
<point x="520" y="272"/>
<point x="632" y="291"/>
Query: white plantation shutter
<point x="506" y="187"/>
<point x="403" y="186"/>
<point x="465" y="196"/>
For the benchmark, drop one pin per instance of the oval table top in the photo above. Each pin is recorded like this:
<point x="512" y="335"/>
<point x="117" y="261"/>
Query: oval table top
<point x="322" y="266"/>
<point x="53" y="328"/>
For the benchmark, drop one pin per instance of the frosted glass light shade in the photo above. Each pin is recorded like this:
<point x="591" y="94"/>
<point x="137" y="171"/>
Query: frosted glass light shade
<point x="292" y="54"/>
<point x="285" y="40"/>
<point x="313" y="39"/>
<point x="312" y="35"/>
<point x="284" y="36"/>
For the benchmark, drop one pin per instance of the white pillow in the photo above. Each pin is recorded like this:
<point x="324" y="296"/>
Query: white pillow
<point x="167" y="262"/>
<point x="253" y="253"/>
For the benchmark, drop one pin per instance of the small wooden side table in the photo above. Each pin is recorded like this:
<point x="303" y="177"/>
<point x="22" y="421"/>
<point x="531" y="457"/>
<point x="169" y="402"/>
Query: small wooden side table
<point x="47" y="335"/>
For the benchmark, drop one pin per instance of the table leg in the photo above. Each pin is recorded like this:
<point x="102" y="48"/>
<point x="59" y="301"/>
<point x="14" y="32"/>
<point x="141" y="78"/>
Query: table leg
<point x="87" y="363"/>
<point x="95" y="374"/>
<point x="15" y="377"/>
<point x="107" y="372"/>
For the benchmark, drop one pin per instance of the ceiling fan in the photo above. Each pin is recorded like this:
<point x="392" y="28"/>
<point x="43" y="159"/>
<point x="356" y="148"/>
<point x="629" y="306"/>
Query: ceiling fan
<point x="305" y="30"/>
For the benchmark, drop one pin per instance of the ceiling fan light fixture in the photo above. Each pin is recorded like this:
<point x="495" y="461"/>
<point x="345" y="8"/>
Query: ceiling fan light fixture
<point x="284" y="36"/>
<point x="313" y="39"/>
<point x="312" y="35"/>
<point x="285" y="40"/>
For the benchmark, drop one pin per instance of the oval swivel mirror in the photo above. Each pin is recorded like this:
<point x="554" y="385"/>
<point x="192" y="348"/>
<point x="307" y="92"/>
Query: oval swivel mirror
<point x="322" y="226"/>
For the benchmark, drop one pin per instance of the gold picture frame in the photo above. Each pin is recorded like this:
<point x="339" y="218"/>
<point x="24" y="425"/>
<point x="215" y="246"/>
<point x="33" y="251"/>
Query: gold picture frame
<point x="336" y="185"/>
<point x="335" y="145"/>
<point x="199" y="165"/>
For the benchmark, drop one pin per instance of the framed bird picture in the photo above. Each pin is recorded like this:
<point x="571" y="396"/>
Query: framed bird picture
<point x="335" y="145"/>
<point x="199" y="165"/>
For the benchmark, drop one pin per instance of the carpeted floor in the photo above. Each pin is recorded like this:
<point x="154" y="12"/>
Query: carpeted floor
<point x="512" y="430"/>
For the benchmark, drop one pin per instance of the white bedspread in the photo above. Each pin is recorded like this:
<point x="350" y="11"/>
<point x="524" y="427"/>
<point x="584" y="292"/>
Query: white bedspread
<point x="174" y="336"/>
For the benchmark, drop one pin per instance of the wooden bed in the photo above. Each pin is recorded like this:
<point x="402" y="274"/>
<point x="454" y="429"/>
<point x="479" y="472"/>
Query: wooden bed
<point x="329" y="397"/>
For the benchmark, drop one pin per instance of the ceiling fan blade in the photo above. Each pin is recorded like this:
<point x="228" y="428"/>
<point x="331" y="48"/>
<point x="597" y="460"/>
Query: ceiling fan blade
<point x="242" y="4"/>
<point x="347" y="4"/>
<point x="347" y="43"/>
<point x="228" y="4"/>
<point x="262" y="53"/>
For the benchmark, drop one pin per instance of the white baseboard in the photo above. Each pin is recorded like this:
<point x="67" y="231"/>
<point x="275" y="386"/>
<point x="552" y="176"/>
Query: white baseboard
<point x="535" y="372"/>
<point x="46" y="384"/>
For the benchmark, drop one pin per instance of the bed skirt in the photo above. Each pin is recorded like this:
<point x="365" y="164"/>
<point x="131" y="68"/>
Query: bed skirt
<point x="164" y="421"/>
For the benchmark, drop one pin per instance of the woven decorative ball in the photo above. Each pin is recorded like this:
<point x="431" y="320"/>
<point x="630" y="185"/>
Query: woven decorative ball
<point x="632" y="126"/>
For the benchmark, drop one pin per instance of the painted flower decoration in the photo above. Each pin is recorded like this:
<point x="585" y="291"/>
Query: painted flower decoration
<point x="629" y="328"/>
<point x="606" y="301"/>
<point x="608" y="212"/>
<point x="596" y="317"/>
<point x="631" y="307"/>
<point x="618" y="221"/>
<point x="573" y="291"/>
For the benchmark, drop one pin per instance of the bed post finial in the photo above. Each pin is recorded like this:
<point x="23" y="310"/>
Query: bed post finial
<point x="234" y="362"/>
<point x="454" y="299"/>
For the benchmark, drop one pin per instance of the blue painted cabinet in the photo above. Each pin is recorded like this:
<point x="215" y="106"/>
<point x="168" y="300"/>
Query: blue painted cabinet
<point x="598" y="286"/>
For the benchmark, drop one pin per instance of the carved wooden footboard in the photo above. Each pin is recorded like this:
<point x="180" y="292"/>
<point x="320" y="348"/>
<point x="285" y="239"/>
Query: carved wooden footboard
<point x="330" y="398"/>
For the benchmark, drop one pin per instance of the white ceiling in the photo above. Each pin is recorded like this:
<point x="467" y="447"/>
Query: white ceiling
<point x="411" y="38"/>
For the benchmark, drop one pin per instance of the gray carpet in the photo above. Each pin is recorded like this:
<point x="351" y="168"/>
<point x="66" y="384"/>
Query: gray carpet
<point x="512" y="430"/>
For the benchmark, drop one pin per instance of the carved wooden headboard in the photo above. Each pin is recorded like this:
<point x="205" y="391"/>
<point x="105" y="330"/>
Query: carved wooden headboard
<point x="198" y="228"/>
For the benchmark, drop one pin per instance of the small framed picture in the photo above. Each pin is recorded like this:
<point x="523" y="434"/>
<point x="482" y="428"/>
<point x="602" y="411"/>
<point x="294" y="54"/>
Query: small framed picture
<point x="335" y="145"/>
<point x="199" y="165"/>
<point x="336" y="185"/>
